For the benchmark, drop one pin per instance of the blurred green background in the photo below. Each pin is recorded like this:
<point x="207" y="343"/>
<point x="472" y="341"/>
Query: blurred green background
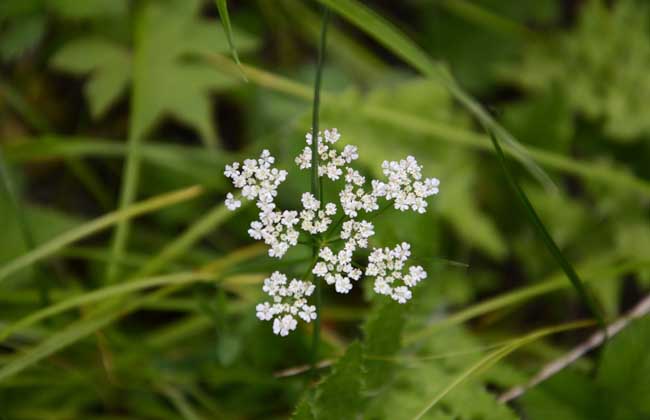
<point x="108" y="102"/>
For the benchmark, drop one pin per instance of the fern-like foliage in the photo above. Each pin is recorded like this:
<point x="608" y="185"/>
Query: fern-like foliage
<point x="601" y="66"/>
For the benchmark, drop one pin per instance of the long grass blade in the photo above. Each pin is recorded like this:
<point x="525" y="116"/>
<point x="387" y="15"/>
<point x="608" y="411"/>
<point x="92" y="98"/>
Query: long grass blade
<point x="26" y="231"/>
<point x="194" y="233"/>
<point x="100" y="295"/>
<point x="550" y="244"/>
<point x="493" y="357"/>
<point x="105" y="315"/>
<point x="439" y="131"/>
<point x="96" y="225"/>
<point x="606" y="268"/>
<point x="222" y="6"/>
<point x="393" y="39"/>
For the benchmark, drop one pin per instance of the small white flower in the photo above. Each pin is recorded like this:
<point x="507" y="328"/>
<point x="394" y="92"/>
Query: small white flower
<point x="231" y="203"/>
<point x="283" y="326"/>
<point x="308" y="313"/>
<point x="265" y="311"/>
<point x="342" y="284"/>
<point x="401" y="294"/>
<point x="320" y="269"/>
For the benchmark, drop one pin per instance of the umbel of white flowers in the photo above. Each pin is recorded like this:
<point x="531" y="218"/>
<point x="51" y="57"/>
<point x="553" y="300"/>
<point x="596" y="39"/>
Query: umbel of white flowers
<point x="404" y="187"/>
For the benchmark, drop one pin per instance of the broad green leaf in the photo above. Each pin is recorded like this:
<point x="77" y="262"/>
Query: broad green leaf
<point x="624" y="372"/>
<point x="599" y="172"/>
<point x="383" y="339"/>
<point x="339" y="396"/>
<point x="467" y="373"/>
<point x="456" y="168"/>
<point x="418" y="379"/>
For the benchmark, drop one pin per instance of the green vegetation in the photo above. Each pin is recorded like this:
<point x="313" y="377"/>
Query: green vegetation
<point x="128" y="290"/>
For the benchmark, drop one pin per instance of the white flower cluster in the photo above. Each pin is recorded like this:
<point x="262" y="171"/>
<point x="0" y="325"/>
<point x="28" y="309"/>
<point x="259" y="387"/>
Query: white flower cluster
<point x="356" y="234"/>
<point x="315" y="220"/>
<point x="259" y="181"/>
<point x="330" y="160"/>
<point x="289" y="301"/>
<point x="337" y="269"/>
<point x="405" y="186"/>
<point x="387" y="266"/>
<point x="277" y="230"/>
<point x="353" y="200"/>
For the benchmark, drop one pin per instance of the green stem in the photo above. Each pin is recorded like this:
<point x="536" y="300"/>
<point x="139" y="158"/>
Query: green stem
<point x="316" y="185"/>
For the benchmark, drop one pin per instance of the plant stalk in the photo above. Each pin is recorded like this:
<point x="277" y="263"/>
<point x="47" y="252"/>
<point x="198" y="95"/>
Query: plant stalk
<point x="316" y="184"/>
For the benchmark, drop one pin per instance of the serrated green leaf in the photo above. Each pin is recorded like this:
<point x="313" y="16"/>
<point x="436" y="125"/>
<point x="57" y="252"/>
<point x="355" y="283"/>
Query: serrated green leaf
<point x="169" y="79"/>
<point x="339" y="395"/>
<point x="107" y="63"/>
<point x="303" y="410"/>
<point x="383" y="339"/>
<point x="166" y="83"/>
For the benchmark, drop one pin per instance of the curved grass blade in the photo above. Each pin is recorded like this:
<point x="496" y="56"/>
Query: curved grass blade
<point x="25" y="230"/>
<point x="189" y="237"/>
<point x="97" y="225"/>
<point x="439" y="131"/>
<point x="105" y="315"/>
<point x="550" y="244"/>
<point x="222" y="5"/>
<point x="99" y="295"/>
<point x="393" y="39"/>
<point x="603" y="269"/>
<point x="493" y="357"/>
